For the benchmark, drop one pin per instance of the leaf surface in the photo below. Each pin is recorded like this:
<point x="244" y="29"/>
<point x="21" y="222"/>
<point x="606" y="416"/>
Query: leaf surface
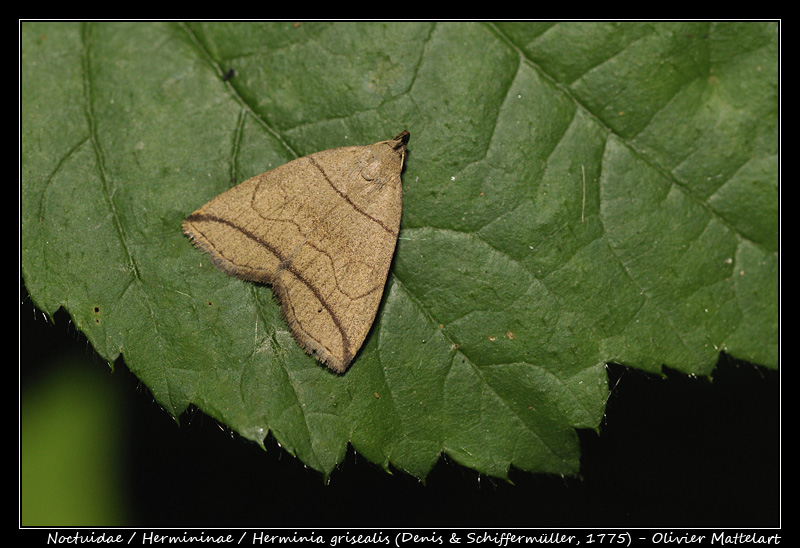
<point x="574" y="194"/>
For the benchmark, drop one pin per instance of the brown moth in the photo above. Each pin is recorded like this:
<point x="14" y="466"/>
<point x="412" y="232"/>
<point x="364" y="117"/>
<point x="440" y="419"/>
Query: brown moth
<point x="321" y="230"/>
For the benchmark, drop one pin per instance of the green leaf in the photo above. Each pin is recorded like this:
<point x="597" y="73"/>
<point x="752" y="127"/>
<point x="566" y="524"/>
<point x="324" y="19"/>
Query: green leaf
<point x="575" y="194"/>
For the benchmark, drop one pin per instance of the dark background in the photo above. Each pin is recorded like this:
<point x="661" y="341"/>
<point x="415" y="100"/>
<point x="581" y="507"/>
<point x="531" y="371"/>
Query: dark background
<point x="673" y="451"/>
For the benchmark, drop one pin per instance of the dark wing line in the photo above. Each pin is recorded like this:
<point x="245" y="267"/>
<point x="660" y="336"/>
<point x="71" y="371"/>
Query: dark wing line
<point x="286" y="266"/>
<point x="347" y="199"/>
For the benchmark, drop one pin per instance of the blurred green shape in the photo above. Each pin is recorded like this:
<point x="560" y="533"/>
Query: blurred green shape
<point x="70" y="453"/>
